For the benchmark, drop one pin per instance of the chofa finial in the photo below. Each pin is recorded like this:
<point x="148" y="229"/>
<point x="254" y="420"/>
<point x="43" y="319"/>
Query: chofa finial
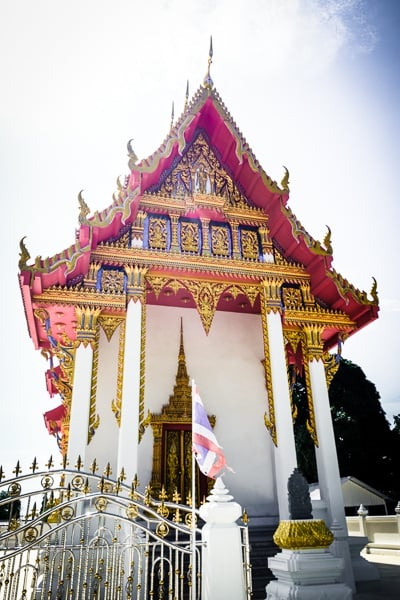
<point x="285" y="180"/>
<point x="208" y="82"/>
<point x="131" y="155"/>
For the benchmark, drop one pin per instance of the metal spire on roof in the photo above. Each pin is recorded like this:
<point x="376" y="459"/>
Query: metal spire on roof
<point x="172" y="114"/>
<point x="187" y="94"/>
<point x="208" y="82"/>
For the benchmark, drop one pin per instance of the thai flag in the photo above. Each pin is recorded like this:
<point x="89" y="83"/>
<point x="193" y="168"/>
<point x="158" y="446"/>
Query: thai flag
<point x="208" y="452"/>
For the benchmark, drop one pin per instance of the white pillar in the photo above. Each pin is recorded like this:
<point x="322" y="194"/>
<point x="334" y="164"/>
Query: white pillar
<point x="285" y="449"/>
<point x="222" y="558"/>
<point x="129" y="429"/>
<point x="327" y="464"/>
<point x="82" y="383"/>
<point x="80" y="404"/>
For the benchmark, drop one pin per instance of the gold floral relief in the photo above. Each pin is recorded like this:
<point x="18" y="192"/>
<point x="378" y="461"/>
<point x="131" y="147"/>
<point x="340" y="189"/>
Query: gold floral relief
<point x="249" y="244"/>
<point x="206" y="296"/>
<point x="190" y="239"/>
<point x="112" y="281"/>
<point x="219" y="240"/>
<point x="158" y="233"/>
<point x="291" y="297"/>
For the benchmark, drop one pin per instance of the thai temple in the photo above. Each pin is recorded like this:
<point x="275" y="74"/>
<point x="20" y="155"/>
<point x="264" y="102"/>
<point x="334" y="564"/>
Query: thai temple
<point x="197" y="271"/>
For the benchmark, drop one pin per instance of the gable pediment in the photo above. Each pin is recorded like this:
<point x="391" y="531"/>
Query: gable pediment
<point x="199" y="173"/>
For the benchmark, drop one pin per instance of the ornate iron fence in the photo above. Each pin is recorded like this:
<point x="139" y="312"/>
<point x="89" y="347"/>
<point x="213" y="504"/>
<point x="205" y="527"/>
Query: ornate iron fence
<point x="74" y="534"/>
<point x="69" y="534"/>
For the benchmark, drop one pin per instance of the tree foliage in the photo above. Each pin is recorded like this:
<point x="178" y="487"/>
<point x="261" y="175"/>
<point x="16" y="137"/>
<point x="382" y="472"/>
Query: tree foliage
<point x="366" y="445"/>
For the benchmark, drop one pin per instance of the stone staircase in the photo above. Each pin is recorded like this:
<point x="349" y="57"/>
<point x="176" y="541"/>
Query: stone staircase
<point x="261" y="547"/>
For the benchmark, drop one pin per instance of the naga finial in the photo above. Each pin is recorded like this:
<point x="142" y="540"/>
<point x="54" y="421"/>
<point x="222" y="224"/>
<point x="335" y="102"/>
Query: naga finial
<point x="327" y="241"/>
<point x="285" y="180"/>
<point x="132" y="155"/>
<point x="208" y="82"/>
<point x="374" y="291"/>
<point x="24" y="255"/>
<point x="84" y="209"/>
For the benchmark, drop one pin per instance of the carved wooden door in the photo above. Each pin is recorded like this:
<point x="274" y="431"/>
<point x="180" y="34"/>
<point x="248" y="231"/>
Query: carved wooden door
<point x="177" y="463"/>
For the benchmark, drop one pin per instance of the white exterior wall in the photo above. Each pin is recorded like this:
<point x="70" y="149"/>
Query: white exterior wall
<point x="226" y="366"/>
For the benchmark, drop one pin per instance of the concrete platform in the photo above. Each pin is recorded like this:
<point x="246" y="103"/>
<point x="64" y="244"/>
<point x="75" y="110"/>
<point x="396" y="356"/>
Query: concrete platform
<point x="388" y="587"/>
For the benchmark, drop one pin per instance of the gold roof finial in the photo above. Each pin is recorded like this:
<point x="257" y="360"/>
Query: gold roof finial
<point x="172" y="114"/>
<point x="208" y="82"/>
<point x="187" y="94"/>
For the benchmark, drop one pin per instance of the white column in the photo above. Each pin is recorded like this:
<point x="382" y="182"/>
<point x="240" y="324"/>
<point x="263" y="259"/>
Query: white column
<point x="129" y="429"/>
<point x="285" y="449"/>
<point x="327" y="463"/>
<point x="128" y="440"/>
<point x="82" y="383"/>
<point x="80" y="404"/>
<point x="222" y="559"/>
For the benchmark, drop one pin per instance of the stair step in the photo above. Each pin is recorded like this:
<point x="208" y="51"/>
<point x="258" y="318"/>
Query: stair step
<point x="261" y="547"/>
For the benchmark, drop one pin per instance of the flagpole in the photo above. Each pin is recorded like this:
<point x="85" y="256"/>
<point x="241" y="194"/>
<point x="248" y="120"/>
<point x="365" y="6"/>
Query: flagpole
<point x="194" y="574"/>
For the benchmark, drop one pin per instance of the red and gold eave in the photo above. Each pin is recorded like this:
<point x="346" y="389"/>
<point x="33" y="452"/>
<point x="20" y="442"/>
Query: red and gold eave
<point x="206" y="113"/>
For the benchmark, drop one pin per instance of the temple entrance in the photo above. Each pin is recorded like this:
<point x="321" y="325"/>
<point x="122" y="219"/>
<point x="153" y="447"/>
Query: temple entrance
<point x="172" y="449"/>
<point x="177" y="464"/>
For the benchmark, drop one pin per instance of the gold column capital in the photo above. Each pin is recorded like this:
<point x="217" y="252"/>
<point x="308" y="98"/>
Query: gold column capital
<point x="271" y="289"/>
<point x="86" y="324"/>
<point x="91" y="278"/>
<point x="314" y="343"/>
<point x="136" y="283"/>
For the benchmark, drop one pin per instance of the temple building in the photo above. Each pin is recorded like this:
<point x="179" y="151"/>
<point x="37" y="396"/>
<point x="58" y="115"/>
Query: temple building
<point x="197" y="270"/>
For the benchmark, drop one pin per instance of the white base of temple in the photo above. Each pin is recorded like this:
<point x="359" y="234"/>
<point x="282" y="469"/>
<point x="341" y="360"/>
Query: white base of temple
<point x="307" y="575"/>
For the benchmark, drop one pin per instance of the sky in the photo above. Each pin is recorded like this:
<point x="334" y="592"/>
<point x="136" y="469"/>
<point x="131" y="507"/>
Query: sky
<point x="312" y="84"/>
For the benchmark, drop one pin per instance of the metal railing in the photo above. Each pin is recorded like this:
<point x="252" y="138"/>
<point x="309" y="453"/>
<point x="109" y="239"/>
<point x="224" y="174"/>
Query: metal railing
<point x="70" y="534"/>
<point x="74" y="534"/>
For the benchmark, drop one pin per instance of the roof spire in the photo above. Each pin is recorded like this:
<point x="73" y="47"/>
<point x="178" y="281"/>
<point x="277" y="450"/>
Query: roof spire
<point x="208" y="82"/>
<point x="172" y="114"/>
<point x="187" y="94"/>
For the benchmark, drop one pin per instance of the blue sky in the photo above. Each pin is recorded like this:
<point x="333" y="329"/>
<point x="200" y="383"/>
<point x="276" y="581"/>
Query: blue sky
<point x="312" y="84"/>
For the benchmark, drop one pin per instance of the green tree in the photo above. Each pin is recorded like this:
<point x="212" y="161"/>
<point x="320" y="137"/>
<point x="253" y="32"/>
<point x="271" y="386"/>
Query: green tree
<point x="367" y="448"/>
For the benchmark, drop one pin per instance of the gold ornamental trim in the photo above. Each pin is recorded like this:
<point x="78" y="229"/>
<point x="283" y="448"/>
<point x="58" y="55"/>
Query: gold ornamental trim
<point x="303" y="535"/>
<point x="313" y="347"/>
<point x="345" y="288"/>
<point x="109" y="324"/>
<point x="206" y="293"/>
<point x="94" y="419"/>
<point x="143" y="422"/>
<point x="298" y="231"/>
<point x="82" y="296"/>
<point x="310" y="423"/>
<point x="331" y="364"/>
<point x="269" y="419"/>
<point x="86" y="324"/>
<point x="116" y="404"/>
<point x="317" y="316"/>
<point x="200" y="263"/>
<point x="179" y="205"/>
